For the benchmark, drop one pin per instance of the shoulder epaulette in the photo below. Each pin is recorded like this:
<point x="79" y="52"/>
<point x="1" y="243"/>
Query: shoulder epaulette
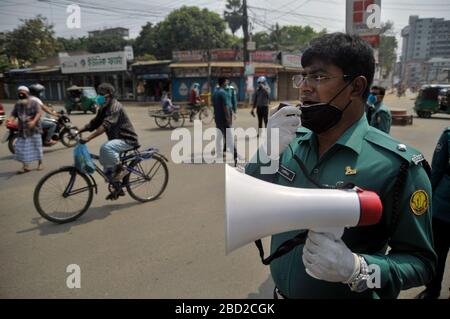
<point x="406" y="152"/>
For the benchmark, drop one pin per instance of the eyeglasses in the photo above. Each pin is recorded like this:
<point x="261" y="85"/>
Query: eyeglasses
<point x="313" y="80"/>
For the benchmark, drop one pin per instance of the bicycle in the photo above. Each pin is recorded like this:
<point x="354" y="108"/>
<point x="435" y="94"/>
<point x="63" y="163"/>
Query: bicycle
<point x="205" y="113"/>
<point x="69" y="186"/>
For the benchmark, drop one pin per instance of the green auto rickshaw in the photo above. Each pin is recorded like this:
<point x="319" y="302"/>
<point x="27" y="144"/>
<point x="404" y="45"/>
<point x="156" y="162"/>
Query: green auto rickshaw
<point x="430" y="100"/>
<point x="81" y="99"/>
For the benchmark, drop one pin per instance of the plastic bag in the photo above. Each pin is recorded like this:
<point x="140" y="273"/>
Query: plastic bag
<point x="83" y="159"/>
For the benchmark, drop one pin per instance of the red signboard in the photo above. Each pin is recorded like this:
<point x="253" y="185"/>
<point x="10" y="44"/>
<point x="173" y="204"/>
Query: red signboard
<point x="226" y="55"/>
<point x="264" y="56"/>
<point x="374" y="40"/>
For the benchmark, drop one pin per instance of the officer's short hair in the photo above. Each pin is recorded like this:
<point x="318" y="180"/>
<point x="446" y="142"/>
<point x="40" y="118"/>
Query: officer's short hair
<point x="350" y="53"/>
<point x="381" y="90"/>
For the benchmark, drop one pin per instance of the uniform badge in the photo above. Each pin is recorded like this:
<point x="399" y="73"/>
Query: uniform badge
<point x="419" y="202"/>
<point x="417" y="159"/>
<point x="350" y="171"/>
<point x="286" y="173"/>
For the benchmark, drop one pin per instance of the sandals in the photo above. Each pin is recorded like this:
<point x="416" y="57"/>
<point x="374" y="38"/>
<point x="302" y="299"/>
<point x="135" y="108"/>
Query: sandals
<point x="24" y="170"/>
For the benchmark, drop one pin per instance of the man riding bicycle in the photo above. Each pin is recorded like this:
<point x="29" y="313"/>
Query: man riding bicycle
<point x="194" y="101"/>
<point x="112" y="120"/>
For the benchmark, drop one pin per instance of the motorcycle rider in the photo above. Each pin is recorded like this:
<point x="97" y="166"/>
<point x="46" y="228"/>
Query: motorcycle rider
<point x="36" y="93"/>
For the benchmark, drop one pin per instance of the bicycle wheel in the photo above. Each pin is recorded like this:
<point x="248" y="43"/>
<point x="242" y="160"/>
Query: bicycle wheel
<point x="63" y="195"/>
<point x="161" y="119"/>
<point x="176" y="120"/>
<point x="148" y="179"/>
<point x="67" y="138"/>
<point x="206" y="115"/>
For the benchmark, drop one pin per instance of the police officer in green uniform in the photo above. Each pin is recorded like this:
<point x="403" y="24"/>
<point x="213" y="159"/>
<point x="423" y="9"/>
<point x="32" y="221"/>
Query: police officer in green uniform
<point x="336" y="147"/>
<point x="440" y="183"/>
<point x="381" y="116"/>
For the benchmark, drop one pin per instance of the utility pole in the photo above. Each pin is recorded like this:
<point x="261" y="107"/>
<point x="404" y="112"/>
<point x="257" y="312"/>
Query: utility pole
<point x="209" y="63"/>
<point x="246" y="52"/>
<point x="245" y="30"/>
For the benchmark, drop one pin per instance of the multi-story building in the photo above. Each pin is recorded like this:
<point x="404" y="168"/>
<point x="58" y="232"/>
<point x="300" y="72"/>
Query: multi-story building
<point x="423" y="39"/>
<point x="437" y="70"/>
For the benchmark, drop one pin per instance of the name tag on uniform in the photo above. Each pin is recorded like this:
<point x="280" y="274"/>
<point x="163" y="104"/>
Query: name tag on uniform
<point x="286" y="173"/>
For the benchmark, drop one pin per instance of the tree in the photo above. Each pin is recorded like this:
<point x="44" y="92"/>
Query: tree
<point x="4" y="61"/>
<point x="190" y="28"/>
<point x="286" y="38"/>
<point x="387" y="49"/>
<point x="147" y="41"/>
<point x="73" y="44"/>
<point x="145" y="57"/>
<point x="31" y="42"/>
<point x="106" y="43"/>
<point x="233" y="15"/>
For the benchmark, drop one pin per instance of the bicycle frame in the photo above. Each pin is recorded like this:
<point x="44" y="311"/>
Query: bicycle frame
<point x="136" y="157"/>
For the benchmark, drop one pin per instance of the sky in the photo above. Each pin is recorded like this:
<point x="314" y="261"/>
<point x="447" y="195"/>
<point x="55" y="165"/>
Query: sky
<point x="133" y="14"/>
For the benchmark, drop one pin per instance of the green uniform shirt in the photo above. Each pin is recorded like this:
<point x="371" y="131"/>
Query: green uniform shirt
<point x="381" y="118"/>
<point x="369" y="159"/>
<point x="231" y="98"/>
<point x="440" y="177"/>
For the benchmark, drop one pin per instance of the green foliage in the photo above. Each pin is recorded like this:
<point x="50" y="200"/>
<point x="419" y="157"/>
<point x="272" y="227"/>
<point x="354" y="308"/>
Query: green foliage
<point x="73" y="44"/>
<point x="147" y="41"/>
<point x="146" y="57"/>
<point x="190" y="28"/>
<point x="233" y="15"/>
<point x="286" y="38"/>
<point x="31" y="42"/>
<point x="387" y="49"/>
<point x="4" y="63"/>
<point x="387" y="55"/>
<point x="106" y="43"/>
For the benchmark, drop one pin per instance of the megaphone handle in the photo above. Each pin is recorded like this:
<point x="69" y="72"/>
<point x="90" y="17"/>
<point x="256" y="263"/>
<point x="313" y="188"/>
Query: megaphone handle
<point x="337" y="233"/>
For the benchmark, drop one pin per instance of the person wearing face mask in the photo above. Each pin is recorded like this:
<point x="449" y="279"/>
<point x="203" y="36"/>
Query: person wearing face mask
<point x="261" y="102"/>
<point x="380" y="116"/>
<point x="28" y="146"/>
<point x="370" y="106"/>
<point x="335" y="148"/>
<point x="111" y="119"/>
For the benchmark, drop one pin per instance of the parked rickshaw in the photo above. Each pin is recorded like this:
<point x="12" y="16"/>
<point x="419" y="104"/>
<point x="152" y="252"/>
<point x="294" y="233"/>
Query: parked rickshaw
<point x="430" y="101"/>
<point x="175" y="115"/>
<point x="81" y="99"/>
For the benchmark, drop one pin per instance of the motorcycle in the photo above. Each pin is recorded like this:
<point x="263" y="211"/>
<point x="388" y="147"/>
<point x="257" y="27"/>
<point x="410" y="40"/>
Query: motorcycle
<point x="62" y="133"/>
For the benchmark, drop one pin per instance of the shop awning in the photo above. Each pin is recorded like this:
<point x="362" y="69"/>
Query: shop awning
<point x="153" y="76"/>
<point x="44" y="69"/>
<point x="189" y="65"/>
<point x="156" y="62"/>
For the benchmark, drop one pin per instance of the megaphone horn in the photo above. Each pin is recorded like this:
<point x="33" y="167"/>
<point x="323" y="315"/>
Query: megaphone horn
<point x="255" y="209"/>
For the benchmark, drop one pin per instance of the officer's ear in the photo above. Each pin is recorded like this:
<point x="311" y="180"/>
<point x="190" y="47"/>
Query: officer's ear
<point x="359" y="86"/>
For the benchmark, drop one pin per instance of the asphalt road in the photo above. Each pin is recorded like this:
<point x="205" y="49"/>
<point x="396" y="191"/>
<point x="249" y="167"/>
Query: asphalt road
<point x="169" y="248"/>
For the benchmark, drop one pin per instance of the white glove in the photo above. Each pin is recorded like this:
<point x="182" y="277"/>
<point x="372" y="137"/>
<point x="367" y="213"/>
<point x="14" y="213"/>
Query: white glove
<point x="286" y="120"/>
<point x="329" y="259"/>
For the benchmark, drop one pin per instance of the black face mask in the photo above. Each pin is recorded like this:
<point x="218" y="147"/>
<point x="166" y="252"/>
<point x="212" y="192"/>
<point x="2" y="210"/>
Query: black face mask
<point x="320" y="117"/>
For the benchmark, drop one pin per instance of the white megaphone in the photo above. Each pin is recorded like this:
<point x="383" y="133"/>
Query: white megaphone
<point x="256" y="209"/>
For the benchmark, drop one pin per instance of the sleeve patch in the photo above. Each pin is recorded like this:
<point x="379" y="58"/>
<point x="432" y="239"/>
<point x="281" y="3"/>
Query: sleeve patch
<point x="419" y="202"/>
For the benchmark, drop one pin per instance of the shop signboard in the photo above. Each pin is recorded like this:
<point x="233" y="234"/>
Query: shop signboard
<point x="101" y="62"/>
